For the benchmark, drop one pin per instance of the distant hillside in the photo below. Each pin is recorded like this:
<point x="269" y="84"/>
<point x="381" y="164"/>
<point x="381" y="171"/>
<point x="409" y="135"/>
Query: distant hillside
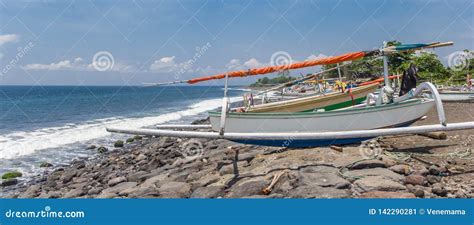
<point x="272" y="81"/>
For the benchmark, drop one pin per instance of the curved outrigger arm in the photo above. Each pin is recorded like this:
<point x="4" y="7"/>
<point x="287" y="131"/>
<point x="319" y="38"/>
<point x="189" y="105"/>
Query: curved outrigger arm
<point x="426" y="86"/>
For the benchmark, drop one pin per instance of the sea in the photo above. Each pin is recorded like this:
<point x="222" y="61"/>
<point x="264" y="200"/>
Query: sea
<point x="55" y="124"/>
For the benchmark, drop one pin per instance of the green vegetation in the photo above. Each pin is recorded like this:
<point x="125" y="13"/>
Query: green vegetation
<point x="11" y="174"/>
<point x="429" y="66"/>
<point x="265" y="81"/>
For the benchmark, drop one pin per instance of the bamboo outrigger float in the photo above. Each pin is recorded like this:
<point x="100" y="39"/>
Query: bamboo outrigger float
<point x="341" y="126"/>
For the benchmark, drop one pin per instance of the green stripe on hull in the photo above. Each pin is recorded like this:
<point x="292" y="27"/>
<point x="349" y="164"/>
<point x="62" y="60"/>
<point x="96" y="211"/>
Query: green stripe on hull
<point x="340" y="105"/>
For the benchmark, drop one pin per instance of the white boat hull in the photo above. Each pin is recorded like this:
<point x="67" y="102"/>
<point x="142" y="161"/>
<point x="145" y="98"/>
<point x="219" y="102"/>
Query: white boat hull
<point x="366" y="118"/>
<point x="457" y="96"/>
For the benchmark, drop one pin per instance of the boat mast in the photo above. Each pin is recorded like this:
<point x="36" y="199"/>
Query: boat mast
<point x="225" y="104"/>
<point x="385" y="67"/>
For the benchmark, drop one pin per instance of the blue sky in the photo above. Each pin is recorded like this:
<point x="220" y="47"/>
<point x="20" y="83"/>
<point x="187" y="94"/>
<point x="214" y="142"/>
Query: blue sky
<point x="54" y="42"/>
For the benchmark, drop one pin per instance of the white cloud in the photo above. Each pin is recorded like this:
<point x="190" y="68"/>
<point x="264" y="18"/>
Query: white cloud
<point x="235" y="64"/>
<point x="312" y="56"/>
<point x="77" y="64"/>
<point x="164" y="65"/>
<point x="5" y="38"/>
<point x="253" y="63"/>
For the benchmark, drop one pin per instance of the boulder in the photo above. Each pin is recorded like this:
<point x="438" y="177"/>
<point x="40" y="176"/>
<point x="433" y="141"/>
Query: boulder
<point x="367" y="164"/>
<point x="208" y="192"/>
<point x="31" y="192"/>
<point x="9" y="182"/>
<point x="434" y="170"/>
<point x="118" y="144"/>
<point x="383" y="172"/>
<point x="327" y="177"/>
<point x="314" y="191"/>
<point x="415" y="180"/>
<point x="74" y="193"/>
<point x="401" y="169"/>
<point x="45" y="164"/>
<point x="439" y="190"/>
<point x="386" y="194"/>
<point x="137" y="137"/>
<point x="11" y="174"/>
<point x="116" y="180"/>
<point x="118" y="188"/>
<point x="247" y="188"/>
<point x="68" y="175"/>
<point x="433" y="179"/>
<point x="174" y="190"/>
<point x="377" y="183"/>
<point x="130" y="140"/>
<point x="102" y="150"/>
<point x="91" y="147"/>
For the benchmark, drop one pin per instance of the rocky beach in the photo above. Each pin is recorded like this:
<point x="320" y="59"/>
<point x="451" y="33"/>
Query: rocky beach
<point x="409" y="166"/>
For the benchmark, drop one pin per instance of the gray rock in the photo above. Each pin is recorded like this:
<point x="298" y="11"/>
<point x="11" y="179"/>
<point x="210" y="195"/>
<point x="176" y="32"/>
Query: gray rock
<point x="327" y="177"/>
<point x="357" y="174"/>
<point x="247" y="188"/>
<point x="138" y="176"/>
<point x="423" y="171"/>
<point x="45" y="164"/>
<point x="418" y="192"/>
<point x="31" y="192"/>
<point x="439" y="189"/>
<point x="434" y="170"/>
<point x="94" y="191"/>
<point x="366" y="164"/>
<point x="68" y="175"/>
<point x="9" y="182"/>
<point x="433" y="179"/>
<point x="314" y="191"/>
<point x="141" y="157"/>
<point x="174" y="190"/>
<point x="119" y="187"/>
<point x="415" y="180"/>
<point x="386" y="194"/>
<point x="377" y="183"/>
<point x="107" y="195"/>
<point x="401" y="169"/>
<point x="116" y="181"/>
<point x="74" y="193"/>
<point x="140" y="192"/>
<point x="208" y="192"/>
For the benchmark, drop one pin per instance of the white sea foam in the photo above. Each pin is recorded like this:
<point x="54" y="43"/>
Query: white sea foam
<point x="22" y="143"/>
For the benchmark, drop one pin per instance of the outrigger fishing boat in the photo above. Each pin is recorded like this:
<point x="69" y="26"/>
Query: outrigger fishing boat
<point x="381" y="115"/>
<point x="460" y="94"/>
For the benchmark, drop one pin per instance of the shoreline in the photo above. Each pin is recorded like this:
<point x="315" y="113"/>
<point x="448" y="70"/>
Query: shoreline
<point x="391" y="167"/>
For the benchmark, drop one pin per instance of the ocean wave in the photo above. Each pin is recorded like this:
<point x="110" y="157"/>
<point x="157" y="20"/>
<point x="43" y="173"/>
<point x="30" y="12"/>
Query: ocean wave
<point x="23" y="143"/>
